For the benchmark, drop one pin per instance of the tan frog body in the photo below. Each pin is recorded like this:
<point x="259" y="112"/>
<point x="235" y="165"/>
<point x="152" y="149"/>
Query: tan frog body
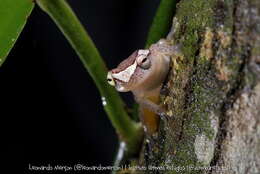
<point x="143" y="73"/>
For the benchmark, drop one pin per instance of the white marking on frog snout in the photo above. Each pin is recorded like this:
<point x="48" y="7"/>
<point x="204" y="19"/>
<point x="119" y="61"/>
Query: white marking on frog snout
<point x="126" y="74"/>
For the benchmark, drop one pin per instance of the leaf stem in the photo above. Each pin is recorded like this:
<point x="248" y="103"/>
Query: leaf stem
<point x="161" y="22"/>
<point x="64" y="17"/>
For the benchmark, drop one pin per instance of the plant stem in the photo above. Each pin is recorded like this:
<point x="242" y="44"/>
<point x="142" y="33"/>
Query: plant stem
<point x="64" y="17"/>
<point x="161" y="22"/>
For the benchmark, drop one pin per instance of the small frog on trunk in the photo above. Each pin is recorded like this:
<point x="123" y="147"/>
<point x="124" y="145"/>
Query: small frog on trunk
<point x="143" y="73"/>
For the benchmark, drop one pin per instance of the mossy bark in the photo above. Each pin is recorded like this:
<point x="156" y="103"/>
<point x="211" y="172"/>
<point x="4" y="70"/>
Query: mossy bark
<point x="212" y="92"/>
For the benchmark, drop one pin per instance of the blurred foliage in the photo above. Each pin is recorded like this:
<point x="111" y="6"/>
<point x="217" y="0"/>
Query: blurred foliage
<point x="162" y="21"/>
<point x="13" y="16"/>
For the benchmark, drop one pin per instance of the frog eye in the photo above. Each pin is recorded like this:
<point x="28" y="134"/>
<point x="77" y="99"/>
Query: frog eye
<point x="110" y="79"/>
<point x="143" y="61"/>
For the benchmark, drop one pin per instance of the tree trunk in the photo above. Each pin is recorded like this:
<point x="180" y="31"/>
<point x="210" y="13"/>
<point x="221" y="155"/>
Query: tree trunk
<point x="212" y="93"/>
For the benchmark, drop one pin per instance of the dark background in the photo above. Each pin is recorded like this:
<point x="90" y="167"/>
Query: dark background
<point x="51" y="111"/>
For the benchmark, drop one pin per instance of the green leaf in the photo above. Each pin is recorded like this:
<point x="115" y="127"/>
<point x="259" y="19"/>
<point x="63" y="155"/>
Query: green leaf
<point x="161" y="22"/>
<point x="13" y="16"/>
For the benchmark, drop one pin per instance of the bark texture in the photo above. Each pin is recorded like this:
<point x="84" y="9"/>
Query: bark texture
<point x="212" y="93"/>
